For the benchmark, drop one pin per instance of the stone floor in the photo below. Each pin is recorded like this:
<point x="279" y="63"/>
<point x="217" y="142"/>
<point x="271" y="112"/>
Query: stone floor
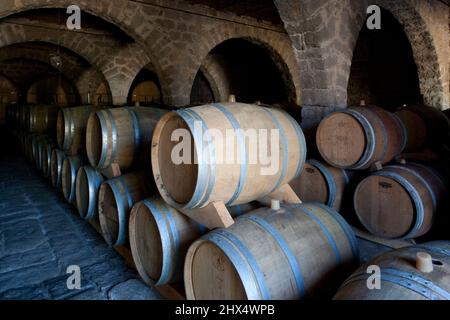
<point x="41" y="236"/>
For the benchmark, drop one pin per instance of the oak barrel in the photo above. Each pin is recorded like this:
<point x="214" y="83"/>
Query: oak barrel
<point x="115" y="200"/>
<point x="71" y="128"/>
<point x="400" y="278"/>
<point x="47" y="150"/>
<point x="357" y="137"/>
<point x="299" y="251"/>
<point x="207" y="175"/>
<point x="38" y="152"/>
<point x="87" y="185"/>
<point x="15" y="115"/>
<point x="400" y="201"/>
<point x="56" y="163"/>
<point x="160" y="237"/>
<point x="42" y="118"/>
<point x="447" y="113"/>
<point x="70" y="167"/>
<point x="28" y="139"/>
<point x="24" y="117"/>
<point x="416" y="129"/>
<point x="320" y="182"/>
<point x="122" y="136"/>
<point x="438" y="125"/>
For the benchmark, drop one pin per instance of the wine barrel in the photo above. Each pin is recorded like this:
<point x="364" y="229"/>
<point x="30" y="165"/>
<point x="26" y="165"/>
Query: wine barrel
<point x="70" y="166"/>
<point x="56" y="164"/>
<point x="71" y="128"/>
<point x="47" y="157"/>
<point x="38" y="150"/>
<point x="438" y="125"/>
<point x="34" y="152"/>
<point x="7" y="113"/>
<point x="87" y="186"/>
<point x="416" y="129"/>
<point x="24" y="117"/>
<point x="28" y="146"/>
<point x="299" y="251"/>
<point x="399" y="201"/>
<point x="321" y="183"/>
<point x="447" y="113"/>
<point x="115" y="200"/>
<point x="401" y="278"/>
<point x="42" y="118"/>
<point x="16" y="115"/>
<point x="206" y="175"/>
<point x="357" y="137"/>
<point x="122" y="136"/>
<point x="160" y="237"/>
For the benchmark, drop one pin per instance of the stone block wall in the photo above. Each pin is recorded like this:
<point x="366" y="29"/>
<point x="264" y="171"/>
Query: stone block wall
<point x="314" y="49"/>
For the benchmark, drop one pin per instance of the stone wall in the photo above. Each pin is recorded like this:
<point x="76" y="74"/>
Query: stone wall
<point x="314" y="50"/>
<point x="324" y="35"/>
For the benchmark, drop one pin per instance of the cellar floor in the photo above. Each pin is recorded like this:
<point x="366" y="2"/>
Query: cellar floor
<point x="41" y="236"/>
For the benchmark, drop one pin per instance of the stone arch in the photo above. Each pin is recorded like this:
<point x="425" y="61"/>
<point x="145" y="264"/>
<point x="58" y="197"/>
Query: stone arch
<point x="211" y="74"/>
<point x="70" y="69"/>
<point x="324" y="35"/>
<point x="280" y="52"/>
<point x="119" y="70"/>
<point x="122" y="14"/>
<point x="52" y="89"/>
<point x="8" y="89"/>
<point x="424" y="50"/>
<point x="175" y="41"/>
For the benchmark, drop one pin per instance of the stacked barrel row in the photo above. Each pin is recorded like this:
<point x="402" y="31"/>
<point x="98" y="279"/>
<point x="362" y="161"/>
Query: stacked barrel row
<point x="33" y="127"/>
<point x="391" y="171"/>
<point x="103" y="167"/>
<point x="312" y="257"/>
<point x="231" y="263"/>
<point x="365" y="165"/>
<point x="163" y="240"/>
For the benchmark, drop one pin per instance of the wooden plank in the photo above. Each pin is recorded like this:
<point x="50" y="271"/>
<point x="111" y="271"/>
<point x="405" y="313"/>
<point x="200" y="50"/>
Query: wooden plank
<point x="215" y="215"/>
<point x="284" y="194"/>
<point x="170" y="292"/>
<point x="391" y="243"/>
<point x="113" y="171"/>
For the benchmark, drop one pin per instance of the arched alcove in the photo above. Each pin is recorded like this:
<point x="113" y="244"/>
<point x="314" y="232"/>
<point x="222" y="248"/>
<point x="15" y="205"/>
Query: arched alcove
<point x="145" y="89"/>
<point x="243" y="68"/>
<point x="383" y="70"/>
<point x="202" y="93"/>
<point x="52" y="90"/>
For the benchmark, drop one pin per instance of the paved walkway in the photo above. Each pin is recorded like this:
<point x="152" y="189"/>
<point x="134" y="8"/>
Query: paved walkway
<point x="41" y="236"/>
